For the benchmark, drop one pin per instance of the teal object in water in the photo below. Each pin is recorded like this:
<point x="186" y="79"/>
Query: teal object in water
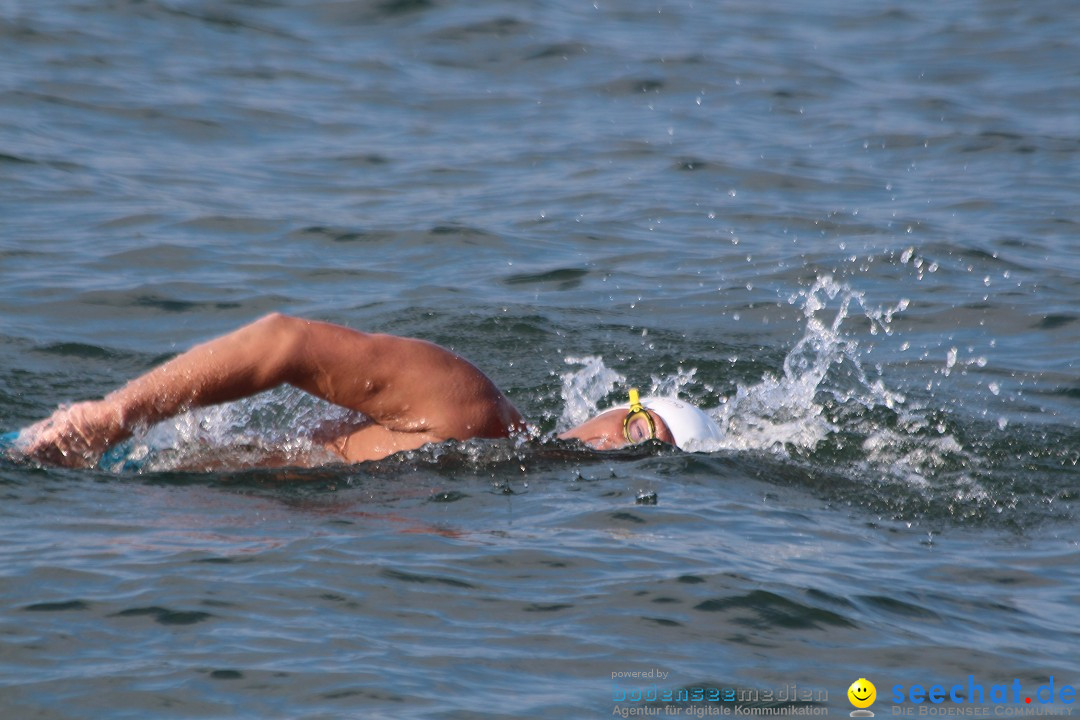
<point x="118" y="458"/>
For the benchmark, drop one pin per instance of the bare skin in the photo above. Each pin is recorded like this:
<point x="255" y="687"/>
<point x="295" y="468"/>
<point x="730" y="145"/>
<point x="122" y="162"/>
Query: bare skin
<point x="413" y="391"/>
<point x="605" y="431"/>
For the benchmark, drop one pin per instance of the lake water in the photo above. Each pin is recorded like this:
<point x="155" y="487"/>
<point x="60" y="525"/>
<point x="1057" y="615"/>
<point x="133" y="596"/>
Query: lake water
<point x="849" y="230"/>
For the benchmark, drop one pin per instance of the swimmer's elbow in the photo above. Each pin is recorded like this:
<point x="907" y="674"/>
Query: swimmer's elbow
<point x="276" y="322"/>
<point x="279" y="346"/>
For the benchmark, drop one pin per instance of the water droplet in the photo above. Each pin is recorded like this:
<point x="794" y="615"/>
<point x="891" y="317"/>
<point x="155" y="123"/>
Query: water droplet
<point x="646" y="497"/>
<point x="950" y="361"/>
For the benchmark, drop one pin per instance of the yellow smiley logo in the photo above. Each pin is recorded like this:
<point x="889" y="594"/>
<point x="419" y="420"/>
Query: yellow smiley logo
<point x="862" y="693"/>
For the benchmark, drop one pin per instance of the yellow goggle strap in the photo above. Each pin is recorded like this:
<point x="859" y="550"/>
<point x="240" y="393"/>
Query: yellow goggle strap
<point x="636" y="409"/>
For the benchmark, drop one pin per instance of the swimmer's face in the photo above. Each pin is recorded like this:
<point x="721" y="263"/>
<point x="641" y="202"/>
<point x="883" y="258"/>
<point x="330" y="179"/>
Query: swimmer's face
<point x="605" y="431"/>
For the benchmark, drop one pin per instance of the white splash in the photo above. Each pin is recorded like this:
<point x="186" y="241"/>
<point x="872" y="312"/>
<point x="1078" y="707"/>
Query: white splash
<point x="786" y="413"/>
<point x="582" y="389"/>
<point x="786" y="410"/>
<point x="277" y="426"/>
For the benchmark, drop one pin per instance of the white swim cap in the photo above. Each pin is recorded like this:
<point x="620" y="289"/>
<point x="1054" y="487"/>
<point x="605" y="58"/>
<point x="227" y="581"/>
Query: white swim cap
<point x="691" y="428"/>
<point x="689" y="425"/>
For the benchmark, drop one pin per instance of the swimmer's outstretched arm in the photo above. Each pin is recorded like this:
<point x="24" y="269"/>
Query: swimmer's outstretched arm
<point x="403" y="384"/>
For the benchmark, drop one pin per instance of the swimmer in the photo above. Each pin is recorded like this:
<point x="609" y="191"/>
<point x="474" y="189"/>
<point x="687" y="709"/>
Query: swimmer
<point x="411" y="392"/>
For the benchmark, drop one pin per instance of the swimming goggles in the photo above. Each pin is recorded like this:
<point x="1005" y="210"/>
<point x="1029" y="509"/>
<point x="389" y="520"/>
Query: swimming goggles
<point x="637" y="410"/>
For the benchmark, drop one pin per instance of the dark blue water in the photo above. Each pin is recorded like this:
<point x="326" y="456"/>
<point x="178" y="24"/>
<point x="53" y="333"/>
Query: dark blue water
<point x="850" y="231"/>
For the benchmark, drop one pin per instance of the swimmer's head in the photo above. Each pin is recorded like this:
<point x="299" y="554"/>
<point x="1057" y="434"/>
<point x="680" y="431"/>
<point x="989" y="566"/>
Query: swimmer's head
<point x="690" y="427"/>
<point x="672" y="421"/>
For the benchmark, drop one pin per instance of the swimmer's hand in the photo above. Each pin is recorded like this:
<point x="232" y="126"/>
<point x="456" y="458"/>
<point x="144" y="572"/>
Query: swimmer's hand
<point x="75" y="435"/>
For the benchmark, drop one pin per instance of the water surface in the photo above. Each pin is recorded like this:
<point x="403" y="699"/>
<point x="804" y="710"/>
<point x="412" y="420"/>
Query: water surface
<point x="848" y="231"/>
